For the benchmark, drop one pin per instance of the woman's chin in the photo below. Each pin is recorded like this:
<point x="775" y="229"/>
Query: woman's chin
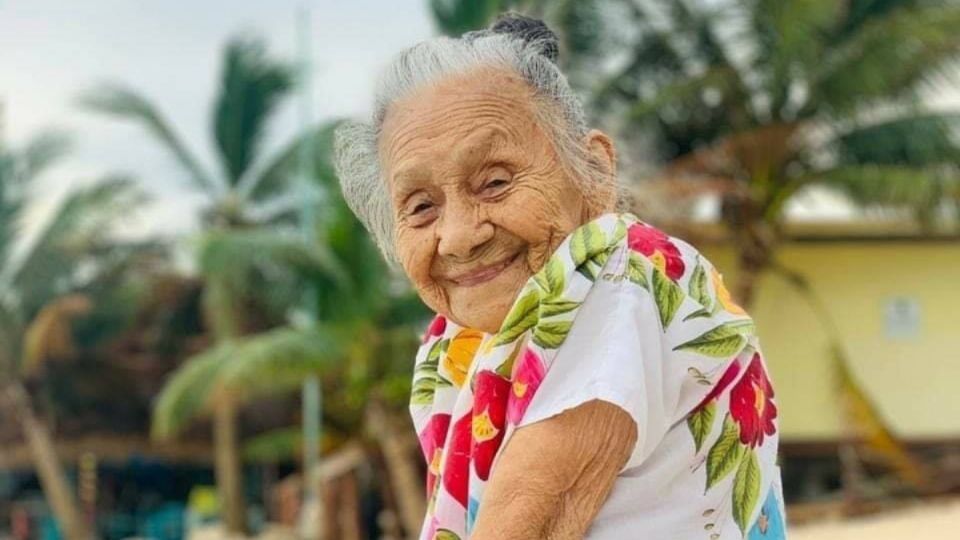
<point x="484" y="306"/>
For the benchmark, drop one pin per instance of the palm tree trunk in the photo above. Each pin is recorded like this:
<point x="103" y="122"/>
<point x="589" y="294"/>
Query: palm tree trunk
<point x="755" y="243"/>
<point x="348" y="505"/>
<point x="228" y="466"/>
<point x="404" y="475"/>
<point x="53" y="479"/>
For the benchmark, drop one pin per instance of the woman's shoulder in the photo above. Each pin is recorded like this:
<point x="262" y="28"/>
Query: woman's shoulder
<point x="681" y="280"/>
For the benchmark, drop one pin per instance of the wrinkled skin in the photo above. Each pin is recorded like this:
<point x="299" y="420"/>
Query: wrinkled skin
<point x="481" y="200"/>
<point x="476" y="184"/>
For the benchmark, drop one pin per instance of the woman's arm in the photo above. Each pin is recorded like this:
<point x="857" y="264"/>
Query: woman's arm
<point x="554" y="475"/>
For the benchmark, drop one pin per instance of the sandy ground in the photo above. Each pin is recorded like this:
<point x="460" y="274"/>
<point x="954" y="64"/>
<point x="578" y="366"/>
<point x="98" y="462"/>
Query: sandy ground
<point x="933" y="521"/>
<point x="930" y="521"/>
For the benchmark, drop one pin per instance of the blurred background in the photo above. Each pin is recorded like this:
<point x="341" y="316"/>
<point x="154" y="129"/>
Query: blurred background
<point x="198" y="340"/>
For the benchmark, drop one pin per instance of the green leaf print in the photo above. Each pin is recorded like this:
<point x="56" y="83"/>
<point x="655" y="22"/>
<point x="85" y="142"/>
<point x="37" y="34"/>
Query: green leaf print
<point x="669" y="296"/>
<point x="432" y="362"/>
<point x="637" y="270"/>
<point x="505" y="369"/>
<point x="746" y="490"/>
<point x="619" y="232"/>
<point x="556" y="306"/>
<point x="586" y="242"/>
<point x="550" y="277"/>
<point x="702" y="312"/>
<point x="721" y="341"/>
<point x="522" y="317"/>
<point x="550" y="335"/>
<point x="698" y="287"/>
<point x="445" y="534"/>
<point x="427" y="377"/>
<point x="424" y="389"/>
<point x="725" y="453"/>
<point x="701" y="422"/>
<point x="590" y="269"/>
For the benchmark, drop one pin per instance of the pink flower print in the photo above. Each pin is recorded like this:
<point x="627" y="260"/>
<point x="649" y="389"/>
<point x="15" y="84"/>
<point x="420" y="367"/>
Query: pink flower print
<point x="527" y="377"/>
<point x="431" y="442"/>
<point x="436" y="328"/>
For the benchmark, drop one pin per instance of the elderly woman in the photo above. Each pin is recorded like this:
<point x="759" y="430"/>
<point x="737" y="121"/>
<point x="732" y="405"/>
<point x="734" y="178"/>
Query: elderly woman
<point x="586" y="375"/>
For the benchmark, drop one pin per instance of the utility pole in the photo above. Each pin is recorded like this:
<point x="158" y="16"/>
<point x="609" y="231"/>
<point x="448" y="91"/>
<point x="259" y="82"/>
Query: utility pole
<point x="311" y="509"/>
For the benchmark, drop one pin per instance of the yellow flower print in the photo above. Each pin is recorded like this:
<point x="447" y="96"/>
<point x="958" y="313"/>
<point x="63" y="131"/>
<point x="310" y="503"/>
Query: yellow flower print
<point x="460" y="354"/>
<point x="723" y="295"/>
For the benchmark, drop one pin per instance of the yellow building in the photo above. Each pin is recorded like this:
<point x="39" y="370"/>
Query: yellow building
<point x="895" y="296"/>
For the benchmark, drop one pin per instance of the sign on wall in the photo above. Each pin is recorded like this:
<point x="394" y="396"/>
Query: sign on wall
<point x="901" y="316"/>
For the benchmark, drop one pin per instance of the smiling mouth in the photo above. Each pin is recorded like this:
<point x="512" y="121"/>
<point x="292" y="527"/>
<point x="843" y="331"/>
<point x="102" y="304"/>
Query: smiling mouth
<point x="483" y="274"/>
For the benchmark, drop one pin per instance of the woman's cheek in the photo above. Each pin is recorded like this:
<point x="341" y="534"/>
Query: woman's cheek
<point x="415" y="248"/>
<point x="540" y="214"/>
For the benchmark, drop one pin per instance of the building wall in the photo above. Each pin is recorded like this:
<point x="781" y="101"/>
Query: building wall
<point x="913" y="379"/>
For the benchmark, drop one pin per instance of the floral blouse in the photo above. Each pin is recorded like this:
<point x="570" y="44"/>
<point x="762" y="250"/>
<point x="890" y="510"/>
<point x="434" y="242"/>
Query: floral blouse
<point x="627" y="314"/>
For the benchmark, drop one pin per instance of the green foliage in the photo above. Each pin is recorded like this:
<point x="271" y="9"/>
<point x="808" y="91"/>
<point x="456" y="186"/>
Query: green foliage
<point x="123" y="102"/>
<point x="251" y="188"/>
<point x="77" y="234"/>
<point x="251" y="87"/>
<point x="74" y="249"/>
<point x="243" y="369"/>
<point x="188" y="391"/>
<point x="454" y="17"/>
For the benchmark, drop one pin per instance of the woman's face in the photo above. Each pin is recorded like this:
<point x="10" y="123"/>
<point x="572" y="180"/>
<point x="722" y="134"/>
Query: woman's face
<point x="479" y="194"/>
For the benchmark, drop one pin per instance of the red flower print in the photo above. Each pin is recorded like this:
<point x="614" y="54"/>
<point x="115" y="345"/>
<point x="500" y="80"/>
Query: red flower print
<point x="431" y="442"/>
<point x="491" y="392"/>
<point x="751" y="404"/>
<point x="655" y="244"/>
<point x="728" y="376"/>
<point x="527" y="377"/>
<point x="456" y="468"/>
<point x="436" y="328"/>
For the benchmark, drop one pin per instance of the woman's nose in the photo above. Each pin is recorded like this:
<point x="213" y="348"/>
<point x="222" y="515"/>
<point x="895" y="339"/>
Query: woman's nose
<point x="462" y="231"/>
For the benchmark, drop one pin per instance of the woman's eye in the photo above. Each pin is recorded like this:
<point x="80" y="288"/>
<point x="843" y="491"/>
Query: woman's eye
<point x="495" y="183"/>
<point x="420" y="207"/>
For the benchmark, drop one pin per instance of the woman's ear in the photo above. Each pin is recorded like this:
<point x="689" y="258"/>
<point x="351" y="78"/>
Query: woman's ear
<point x="602" y="151"/>
<point x="603" y="193"/>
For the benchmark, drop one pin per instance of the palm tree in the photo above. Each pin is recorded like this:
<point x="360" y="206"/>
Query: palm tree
<point x="41" y="284"/>
<point x="361" y="344"/>
<point x="766" y="98"/>
<point x="250" y="191"/>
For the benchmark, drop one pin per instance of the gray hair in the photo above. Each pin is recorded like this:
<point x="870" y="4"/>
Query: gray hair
<point x="526" y="47"/>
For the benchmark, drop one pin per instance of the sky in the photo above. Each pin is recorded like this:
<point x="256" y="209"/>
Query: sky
<point x="51" y="51"/>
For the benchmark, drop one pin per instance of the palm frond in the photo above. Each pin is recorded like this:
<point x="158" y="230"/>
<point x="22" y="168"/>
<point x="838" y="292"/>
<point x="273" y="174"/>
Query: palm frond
<point x="860" y="12"/>
<point x="189" y="391"/>
<point x="126" y="103"/>
<point x="919" y="140"/>
<point x="82" y="223"/>
<point x="279" y="360"/>
<point x="41" y="152"/>
<point x="792" y="40"/>
<point x="19" y="167"/>
<point x="887" y="58"/>
<point x="922" y="191"/>
<point x="686" y="93"/>
<point x="252" y="85"/>
<point x="229" y="256"/>
<point x="454" y="17"/>
<point x="277" y="175"/>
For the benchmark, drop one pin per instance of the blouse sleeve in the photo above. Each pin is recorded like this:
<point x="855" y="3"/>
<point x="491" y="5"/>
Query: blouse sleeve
<point x="629" y="344"/>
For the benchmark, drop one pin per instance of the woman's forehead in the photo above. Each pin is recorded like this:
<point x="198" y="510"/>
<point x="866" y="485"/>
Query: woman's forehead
<point x="455" y="109"/>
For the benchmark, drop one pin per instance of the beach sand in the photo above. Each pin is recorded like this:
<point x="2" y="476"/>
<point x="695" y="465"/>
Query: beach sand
<point x="926" y="521"/>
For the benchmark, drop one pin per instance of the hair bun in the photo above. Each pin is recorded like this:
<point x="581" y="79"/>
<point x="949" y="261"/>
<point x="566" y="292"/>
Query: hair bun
<point x="532" y="31"/>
